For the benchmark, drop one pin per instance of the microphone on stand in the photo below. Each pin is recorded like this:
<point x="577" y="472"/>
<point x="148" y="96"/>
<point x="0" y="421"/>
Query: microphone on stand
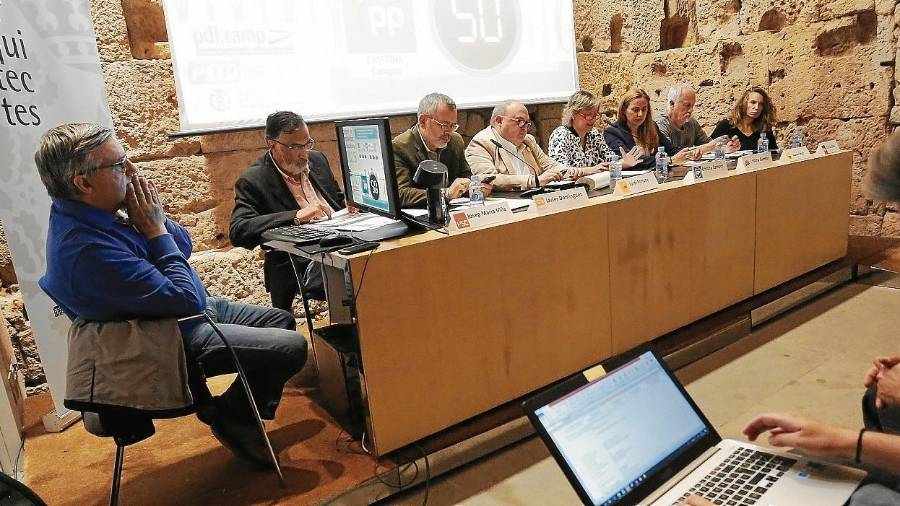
<point x="538" y="189"/>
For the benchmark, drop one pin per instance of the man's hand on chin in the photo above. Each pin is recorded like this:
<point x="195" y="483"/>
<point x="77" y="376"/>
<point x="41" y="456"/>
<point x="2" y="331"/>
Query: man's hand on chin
<point x="144" y="209"/>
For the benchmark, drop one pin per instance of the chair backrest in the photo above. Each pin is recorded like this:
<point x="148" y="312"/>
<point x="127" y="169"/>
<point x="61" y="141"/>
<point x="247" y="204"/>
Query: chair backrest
<point x="13" y="491"/>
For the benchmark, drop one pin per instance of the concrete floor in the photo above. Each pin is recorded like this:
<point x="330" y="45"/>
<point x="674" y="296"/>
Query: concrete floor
<point x="810" y="361"/>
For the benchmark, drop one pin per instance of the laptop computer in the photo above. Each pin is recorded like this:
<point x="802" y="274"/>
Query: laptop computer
<point x="627" y="432"/>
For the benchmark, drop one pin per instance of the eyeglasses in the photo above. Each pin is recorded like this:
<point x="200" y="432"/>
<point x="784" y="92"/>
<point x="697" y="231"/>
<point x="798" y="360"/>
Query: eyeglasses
<point x="294" y="147"/>
<point x="444" y="125"/>
<point x="590" y="116"/>
<point x="521" y="123"/>
<point x="121" y="166"/>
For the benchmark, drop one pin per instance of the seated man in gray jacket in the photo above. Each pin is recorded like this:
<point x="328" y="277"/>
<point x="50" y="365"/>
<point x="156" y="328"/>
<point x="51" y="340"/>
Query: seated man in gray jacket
<point x="112" y="255"/>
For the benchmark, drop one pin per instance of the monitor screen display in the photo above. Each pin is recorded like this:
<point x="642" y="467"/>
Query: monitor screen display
<point x="367" y="165"/>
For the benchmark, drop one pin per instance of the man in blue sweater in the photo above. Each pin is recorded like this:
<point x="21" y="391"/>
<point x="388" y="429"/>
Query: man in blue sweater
<point x="113" y="255"/>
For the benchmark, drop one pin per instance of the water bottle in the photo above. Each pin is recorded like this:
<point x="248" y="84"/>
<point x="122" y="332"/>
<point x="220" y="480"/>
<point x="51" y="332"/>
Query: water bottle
<point x="662" y="165"/>
<point x="720" y="150"/>
<point x="797" y="138"/>
<point x="763" y="145"/>
<point x="476" y="193"/>
<point x="615" y="170"/>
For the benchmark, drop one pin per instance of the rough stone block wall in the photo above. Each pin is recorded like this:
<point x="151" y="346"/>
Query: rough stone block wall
<point x="829" y="65"/>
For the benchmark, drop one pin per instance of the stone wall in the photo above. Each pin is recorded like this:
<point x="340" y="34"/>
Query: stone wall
<point x="829" y="65"/>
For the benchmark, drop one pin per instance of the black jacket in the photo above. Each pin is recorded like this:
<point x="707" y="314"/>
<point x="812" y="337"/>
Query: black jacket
<point x="725" y="127"/>
<point x="619" y="136"/>
<point x="262" y="201"/>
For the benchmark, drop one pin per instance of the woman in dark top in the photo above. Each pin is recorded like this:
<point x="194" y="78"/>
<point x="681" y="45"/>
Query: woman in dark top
<point x="635" y="128"/>
<point x="752" y="116"/>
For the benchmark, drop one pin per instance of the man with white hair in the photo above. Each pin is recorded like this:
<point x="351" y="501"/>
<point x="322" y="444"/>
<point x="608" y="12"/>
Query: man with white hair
<point x="683" y="131"/>
<point x="433" y="137"/>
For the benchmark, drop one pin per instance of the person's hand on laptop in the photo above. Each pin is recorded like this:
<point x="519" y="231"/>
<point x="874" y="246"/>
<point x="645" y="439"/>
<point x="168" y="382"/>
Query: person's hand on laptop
<point x="809" y="436"/>
<point x="696" y="500"/>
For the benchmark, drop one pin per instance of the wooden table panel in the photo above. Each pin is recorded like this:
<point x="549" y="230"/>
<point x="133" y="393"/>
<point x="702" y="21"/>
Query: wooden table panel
<point x="802" y="219"/>
<point x="678" y="254"/>
<point x="452" y="327"/>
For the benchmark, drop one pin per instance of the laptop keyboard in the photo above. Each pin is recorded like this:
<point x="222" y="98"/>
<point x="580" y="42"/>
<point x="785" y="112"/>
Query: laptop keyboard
<point x="742" y="478"/>
<point x="297" y="234"/>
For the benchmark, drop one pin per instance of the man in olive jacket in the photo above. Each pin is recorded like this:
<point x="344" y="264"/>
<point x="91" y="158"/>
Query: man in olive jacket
<point x="433" y="137"/>
<point x="288" y="185"/>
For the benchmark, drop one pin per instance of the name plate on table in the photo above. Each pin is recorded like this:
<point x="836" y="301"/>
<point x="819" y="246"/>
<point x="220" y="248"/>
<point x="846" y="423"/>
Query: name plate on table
<point x="636" y="184"/>
<point x="475" y="217"/>
<point x="706" y="170"/>
<point x="561" y="200"/>
<point x="755" y="161"/>
<point x="828" y="147"/>
<point x="795" y="154"/>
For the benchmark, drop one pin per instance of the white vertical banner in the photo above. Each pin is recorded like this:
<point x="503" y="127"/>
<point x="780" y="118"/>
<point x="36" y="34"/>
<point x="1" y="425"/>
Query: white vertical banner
<point x="49" y="75"/>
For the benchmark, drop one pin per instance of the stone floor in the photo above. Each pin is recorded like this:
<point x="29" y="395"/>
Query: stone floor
<point x="810" y="361"/>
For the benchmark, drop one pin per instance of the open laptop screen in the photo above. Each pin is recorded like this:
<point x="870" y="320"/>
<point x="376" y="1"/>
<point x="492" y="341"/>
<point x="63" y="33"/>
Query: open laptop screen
<point x="618" y="430"/>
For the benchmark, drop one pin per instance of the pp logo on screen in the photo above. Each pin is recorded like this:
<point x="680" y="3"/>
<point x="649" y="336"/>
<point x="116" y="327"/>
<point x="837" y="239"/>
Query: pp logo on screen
<point x="379" y="26"/>
<point x="374" y="190"/>
<point x="478" y="35"/>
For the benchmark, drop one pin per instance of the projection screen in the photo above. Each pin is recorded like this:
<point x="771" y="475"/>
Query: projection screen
<point x="236" y="61"/>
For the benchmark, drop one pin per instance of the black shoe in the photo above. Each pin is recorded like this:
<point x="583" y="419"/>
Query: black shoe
<point x="243" y="439"/>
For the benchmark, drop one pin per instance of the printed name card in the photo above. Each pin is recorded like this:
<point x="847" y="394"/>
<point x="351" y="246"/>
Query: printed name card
<point x="475" y="217"/>
<point x="754" y="161"/>
<point x="561" y="200"/>
<point x="636" y="184"/>
<point x="706" y="170"/>
<point x="828" y="147"/>
<point x="795" y="154"/>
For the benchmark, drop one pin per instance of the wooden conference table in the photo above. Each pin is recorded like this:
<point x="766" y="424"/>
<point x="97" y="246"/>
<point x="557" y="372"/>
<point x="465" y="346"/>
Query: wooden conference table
<point x="452" y="326"/>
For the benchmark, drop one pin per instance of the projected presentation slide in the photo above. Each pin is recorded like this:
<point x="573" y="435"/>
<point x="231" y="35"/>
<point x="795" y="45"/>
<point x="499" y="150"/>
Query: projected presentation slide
<point x="236" y="61"/>
<point x="366" y="165"/>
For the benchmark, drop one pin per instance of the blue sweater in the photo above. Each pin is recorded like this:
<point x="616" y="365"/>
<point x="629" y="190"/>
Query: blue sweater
<point x="102" y="269"/>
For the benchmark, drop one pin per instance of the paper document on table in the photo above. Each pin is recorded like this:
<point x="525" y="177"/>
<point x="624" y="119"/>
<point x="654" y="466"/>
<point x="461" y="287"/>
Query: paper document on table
<point x="600" y="180"/>
<point x="514" y="204"/>
<point x="352" y="222"/>
<point x="735" y="154"/>
<point x="595" y="181"/>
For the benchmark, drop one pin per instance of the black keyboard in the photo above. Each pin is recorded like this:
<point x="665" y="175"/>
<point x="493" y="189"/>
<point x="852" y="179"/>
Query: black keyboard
<point x="742" y="478"/>
<point x="296" y="234"/>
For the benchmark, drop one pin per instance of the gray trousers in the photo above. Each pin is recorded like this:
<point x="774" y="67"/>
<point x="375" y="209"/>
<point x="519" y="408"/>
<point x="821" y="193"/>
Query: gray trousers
<point x="879" y="488"/>
<point x="268" y="346"/>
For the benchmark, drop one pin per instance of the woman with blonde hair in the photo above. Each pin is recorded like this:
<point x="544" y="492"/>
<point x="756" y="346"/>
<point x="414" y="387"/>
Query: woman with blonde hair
<point x="576" y="143"/>
<point x="636" y="129"/>
<point x="752" y="116"/>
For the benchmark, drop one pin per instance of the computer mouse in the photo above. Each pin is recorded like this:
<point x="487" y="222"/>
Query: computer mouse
<point x="335" y="240"/>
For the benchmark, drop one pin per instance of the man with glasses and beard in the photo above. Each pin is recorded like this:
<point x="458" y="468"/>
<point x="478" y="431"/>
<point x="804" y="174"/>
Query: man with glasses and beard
<point x="433" y="137"/>
<point x="289" y="184"/>
<point x="518" y="163"/>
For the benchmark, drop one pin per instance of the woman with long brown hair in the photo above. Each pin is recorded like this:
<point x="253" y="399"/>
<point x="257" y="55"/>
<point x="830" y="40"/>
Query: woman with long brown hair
<point x="752" y="116"/>
<point x="636" y="129"/>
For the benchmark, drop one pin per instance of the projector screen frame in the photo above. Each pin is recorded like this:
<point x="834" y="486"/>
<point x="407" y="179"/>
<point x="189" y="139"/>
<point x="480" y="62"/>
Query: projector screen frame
<point x="250" y="125"/>
<point x="259" y="126"/>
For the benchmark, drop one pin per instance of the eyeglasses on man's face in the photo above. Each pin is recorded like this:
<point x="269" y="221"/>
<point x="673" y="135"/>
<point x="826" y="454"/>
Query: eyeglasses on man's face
<point x="452" y="127"/>
<point x="121" y="166"/>
<point x="521" y="123"/>
<point x="296" y="147"/>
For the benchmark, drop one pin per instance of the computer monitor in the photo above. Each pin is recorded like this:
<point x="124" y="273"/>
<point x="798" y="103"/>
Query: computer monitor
<point x="367" y="165"/>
